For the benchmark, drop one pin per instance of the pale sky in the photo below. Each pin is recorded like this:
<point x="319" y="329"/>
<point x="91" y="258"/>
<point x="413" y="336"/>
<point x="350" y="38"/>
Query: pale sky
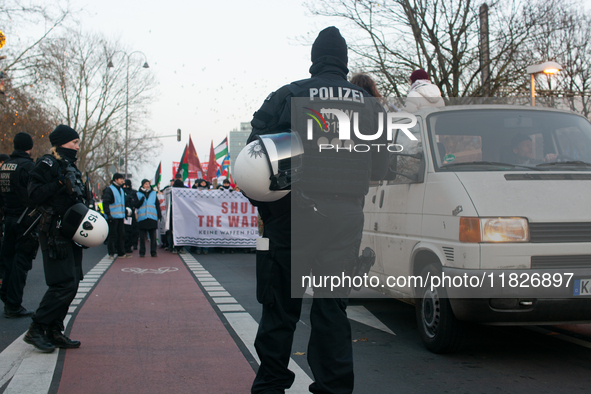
<point x="215" y="62"/>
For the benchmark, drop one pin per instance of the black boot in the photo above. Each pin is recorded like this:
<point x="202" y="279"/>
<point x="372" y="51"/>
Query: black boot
<point x="55" y="336"/>
<point x="36" y="337"/>
<point x="17" y="312"/>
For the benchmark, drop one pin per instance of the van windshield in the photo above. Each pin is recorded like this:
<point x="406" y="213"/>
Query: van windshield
<point x="509" y="140"/>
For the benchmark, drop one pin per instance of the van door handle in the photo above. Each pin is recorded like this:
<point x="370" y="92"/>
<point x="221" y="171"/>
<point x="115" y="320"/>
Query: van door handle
<point x="382" y="199"/>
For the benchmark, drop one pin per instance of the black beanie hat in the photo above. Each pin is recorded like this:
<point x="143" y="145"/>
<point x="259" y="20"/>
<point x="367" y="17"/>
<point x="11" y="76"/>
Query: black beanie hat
<point x="3" y="157"/>
<point x="62" y="135"/>
<point x="330" y="43"/>
<point x="127" y="182"/>
<point x="144" y="181"/>
<point x="23" y="141"/>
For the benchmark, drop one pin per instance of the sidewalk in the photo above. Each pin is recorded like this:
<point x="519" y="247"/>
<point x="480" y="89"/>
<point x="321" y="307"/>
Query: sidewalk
<point x="147" y="327"/>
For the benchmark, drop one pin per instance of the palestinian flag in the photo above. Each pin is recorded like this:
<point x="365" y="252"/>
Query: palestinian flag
<point x="222" y="149"/>
<point x="184" y="165"/>
<point x="157" y="176"/>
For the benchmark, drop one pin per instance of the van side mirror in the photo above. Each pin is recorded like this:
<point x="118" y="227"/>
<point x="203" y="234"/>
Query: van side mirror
<point x="409" y="169"/>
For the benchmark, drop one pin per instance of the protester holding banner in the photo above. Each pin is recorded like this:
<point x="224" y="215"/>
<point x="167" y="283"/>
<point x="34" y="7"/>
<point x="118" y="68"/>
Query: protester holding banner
<point x="201" y="184"/>
<point x="132" y="233"/>
<point x="148" y="215"/>
<point x="174" y="248"/>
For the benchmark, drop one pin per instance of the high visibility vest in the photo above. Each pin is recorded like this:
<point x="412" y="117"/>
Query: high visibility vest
<point x="118" y="207"/>
<point x="148" y="208"/>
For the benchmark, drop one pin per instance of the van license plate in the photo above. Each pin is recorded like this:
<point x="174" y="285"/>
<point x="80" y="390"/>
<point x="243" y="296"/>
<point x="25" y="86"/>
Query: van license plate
<point x="582" y="287"/>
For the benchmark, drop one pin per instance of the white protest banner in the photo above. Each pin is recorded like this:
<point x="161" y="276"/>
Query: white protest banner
<point x="212" y="218"/>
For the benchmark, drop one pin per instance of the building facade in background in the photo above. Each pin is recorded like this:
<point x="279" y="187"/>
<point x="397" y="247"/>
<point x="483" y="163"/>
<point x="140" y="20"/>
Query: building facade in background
<point x="238" y="142"/>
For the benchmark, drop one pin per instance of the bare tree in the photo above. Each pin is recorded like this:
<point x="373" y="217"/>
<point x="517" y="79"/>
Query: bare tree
<point x="441" y="36"/>
<point x="567" y="40"/>
<point x="17" y="18"/>
<point x="92" y="98"/>
<point x="19" y="112"/>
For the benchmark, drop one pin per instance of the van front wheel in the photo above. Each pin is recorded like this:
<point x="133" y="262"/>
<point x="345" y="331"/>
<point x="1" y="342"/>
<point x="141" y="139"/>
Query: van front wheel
<point x="440" y="330"/>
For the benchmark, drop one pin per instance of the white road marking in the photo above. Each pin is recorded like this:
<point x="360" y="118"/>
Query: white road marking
<point x="246" y="328"/>
<point x="11" y="358"/>
<point x="34" y="373"/>
<point x="231" y="308"/>
<point x="224" y="300"/>
<point x="213" y="288"/>
<point x="563" y="337"/>
<point x="218" y="294"/>
<point x="360" y="314"/>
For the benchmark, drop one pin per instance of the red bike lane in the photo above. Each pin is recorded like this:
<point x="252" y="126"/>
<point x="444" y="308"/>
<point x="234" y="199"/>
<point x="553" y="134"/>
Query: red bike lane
<point x="147" y="327"/>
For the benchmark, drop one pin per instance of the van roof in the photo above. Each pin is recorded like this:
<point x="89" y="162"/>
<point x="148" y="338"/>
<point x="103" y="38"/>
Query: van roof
<point x="430" y="110"/>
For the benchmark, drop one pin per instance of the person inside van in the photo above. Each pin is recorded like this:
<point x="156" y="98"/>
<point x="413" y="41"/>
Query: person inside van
<point x="523" y="148"/>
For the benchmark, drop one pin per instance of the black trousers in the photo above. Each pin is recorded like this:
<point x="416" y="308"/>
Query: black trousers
<point x="153" y="243"/>
<point x="62" y="276"/>
<point x="132" y="235"/>
<point x="18" y="256"/>
<point x="322" y="245"/>
<point x="116" y="243"/>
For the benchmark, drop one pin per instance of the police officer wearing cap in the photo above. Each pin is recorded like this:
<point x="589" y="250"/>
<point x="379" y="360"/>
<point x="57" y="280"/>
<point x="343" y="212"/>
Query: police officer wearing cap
<point x="18" y="250"/>
<point x="325" y="208"/>
<point x="55" y="185"/>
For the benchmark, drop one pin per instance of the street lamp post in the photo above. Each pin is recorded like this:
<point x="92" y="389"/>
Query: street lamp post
<point x="110" y="65"/>
<point x="548" y="68"/>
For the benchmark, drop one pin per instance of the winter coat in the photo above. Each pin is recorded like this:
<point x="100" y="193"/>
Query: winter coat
<point x="423" y="94"/>
<point x="149" y="224"/>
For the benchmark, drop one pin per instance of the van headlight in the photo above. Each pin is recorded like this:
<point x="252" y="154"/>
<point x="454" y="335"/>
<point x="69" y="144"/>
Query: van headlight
<point x="494" y="230"/>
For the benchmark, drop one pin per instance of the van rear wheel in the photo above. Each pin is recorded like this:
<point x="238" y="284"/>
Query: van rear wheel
<point x="441" y="332"/>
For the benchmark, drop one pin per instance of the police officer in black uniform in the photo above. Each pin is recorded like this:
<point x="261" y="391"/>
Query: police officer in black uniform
<point x="18" y="250"/>
<point x="55" y="185"/>
<point x="325" y="208"/>
<point x="3" y="158"/>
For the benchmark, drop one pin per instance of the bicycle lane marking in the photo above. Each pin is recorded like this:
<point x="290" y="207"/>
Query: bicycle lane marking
<point x="241" y="321"/>
<point x="30" y="371"/>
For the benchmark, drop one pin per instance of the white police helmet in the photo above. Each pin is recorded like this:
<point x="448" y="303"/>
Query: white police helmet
<point x="84" y="226"/>
<point x="266" y="168"/>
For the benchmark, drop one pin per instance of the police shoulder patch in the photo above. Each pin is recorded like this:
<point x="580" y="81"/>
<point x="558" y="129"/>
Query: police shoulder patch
<point x="47" y="161"/>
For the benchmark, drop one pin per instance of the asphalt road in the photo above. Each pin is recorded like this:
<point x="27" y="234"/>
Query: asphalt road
<point x="491" y="360"/>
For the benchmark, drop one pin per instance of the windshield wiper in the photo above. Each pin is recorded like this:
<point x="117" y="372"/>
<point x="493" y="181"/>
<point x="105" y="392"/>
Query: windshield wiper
<point x="488" y="163"/>
<point x="568" y="163"/>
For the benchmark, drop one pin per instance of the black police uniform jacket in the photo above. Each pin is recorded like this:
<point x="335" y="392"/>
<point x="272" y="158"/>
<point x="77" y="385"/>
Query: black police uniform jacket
<point x="338" y="173"/>
<point x="14" y="178"/>
<point x="45" y="188"/>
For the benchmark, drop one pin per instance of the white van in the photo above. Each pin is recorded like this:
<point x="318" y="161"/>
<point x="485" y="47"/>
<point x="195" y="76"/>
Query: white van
<point x="496" y="200"/>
